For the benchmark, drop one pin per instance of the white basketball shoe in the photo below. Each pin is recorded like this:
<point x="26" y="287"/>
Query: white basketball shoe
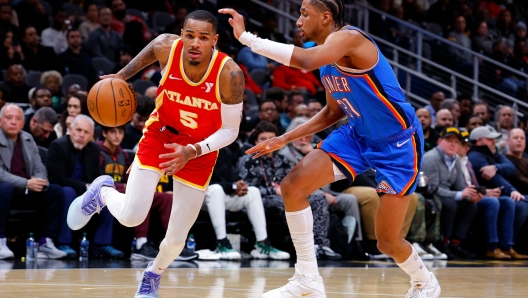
<point x="299" y="286"/>
<point x="430" y="289"/>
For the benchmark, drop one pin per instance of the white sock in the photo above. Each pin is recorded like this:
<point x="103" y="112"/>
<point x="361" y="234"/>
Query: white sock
<point x="140" y="241"/>
<point x="105" y="192"/>
<point x="300" y="224"/>
<point x="155" y="269"/>
<point x="415" y="267"/>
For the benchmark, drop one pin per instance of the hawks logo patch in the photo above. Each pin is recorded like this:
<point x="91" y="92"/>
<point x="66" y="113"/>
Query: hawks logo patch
<point x="384" y="187"/>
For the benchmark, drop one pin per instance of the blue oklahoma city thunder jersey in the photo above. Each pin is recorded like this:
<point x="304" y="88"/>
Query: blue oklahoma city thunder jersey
<point x="372" y="100"/>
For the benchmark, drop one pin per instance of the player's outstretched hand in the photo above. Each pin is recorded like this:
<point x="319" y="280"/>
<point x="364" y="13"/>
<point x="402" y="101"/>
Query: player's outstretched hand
<point x="178" y="158"/>
<point x="237" y="21"/>
<point x="113" y="75"/>
<point x="267" y="146"/>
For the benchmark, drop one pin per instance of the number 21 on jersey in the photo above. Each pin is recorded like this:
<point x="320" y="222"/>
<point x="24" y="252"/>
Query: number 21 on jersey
<point x="348" y="108"/>
<point x="188" y="119"/>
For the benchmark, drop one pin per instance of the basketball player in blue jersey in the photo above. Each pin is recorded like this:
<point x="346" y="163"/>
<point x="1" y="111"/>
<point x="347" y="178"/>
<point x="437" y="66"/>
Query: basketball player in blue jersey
<point x="383" y="133"/>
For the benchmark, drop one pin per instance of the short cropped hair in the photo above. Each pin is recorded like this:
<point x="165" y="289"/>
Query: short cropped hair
<point x="202" y="15"/>
<point x="145" y="105"/>
<point x="46" y="114"/>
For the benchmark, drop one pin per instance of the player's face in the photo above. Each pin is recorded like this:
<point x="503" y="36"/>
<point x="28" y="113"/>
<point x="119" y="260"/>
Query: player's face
<point x="199" y="40"/>
<point x="308" y="21"/>
<point x="114" y="136"/>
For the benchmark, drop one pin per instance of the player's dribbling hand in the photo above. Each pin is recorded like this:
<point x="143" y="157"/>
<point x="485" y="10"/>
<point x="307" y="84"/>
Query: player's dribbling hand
<point x="178" y="158"/>
<point x="267" y="146"/>
<point x="113" y="75"/>
<point x="237" y="21"/>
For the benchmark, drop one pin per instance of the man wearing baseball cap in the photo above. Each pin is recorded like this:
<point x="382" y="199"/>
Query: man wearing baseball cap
<point x="493" y="170"/>
<point x="495" y="212"/>
<point x="446" y="181"/>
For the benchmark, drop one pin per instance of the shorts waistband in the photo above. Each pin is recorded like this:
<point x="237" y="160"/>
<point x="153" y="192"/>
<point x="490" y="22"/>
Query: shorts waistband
<point x="399" y="136"/>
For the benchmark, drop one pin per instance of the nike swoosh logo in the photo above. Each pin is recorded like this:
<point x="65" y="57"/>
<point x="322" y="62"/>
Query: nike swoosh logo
<point x="174" y="78"/>
<point x="401" y="144"/>
<point x="306" y="294"/>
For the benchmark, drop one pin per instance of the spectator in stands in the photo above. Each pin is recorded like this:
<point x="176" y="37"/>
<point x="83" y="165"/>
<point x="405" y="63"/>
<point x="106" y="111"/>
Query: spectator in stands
<point x="442" y="13"/>
<point x="52" y="80"/>
<point x="266" y="173"/>
<point x="482" y="40"/>
<point x="497" y="212"/>
<point x="505" y="26"/>
<point x="125" y="56"/>
<point x="269" y="29"/>
<point x="41" y="97"/>
<point x="290" y="78"/>
<point x="6" y="25"/>
<point x="10" y="50"/>
<point x="521" y="55"/>
<point x="444" y="119"/>
<point x="73" y="163"/>
<point x="120" y="18"/>
<point x="252" y="60"/>
<point x="40" y="126"/>
<point x="31" y="12"/>
<point x="36" y="56"/>
<point x="464" y="59"/>
<point x="267" y="112"/>
<point x="103" y="41"/>
<point x="482" y="110"/>
<point x="91" y="23"/>
<point x="295" y="98"/>
<point x="24" y="183"/>
<point x="227" y="191"/>
<point x="520" y="32"/>
<point x="179" y="17"/>
<point x="16" y="82"/>
<point x="280" y="97"/>
<point x="493" y="169"/>
<point x="5" y="94"/>
<point x="75" y="105"/>
<point x="55" y="35"/>
<point x="505" y="123"/>
<point x="474" y="121"/>
<point x="76" y="59"/>
<point x="516" y="147"/>
<point x="466" y="106"/>
<point x="446" y="181"/>
<point x="134" y="129"/>
<point x="430" y="135"/>
<point x="507" y="82"/>
<point x="150" y="92"/>
<point x="454" y="107"/>
<point x="301" y="111"/>
<point x="314" y="107"/>
<point x="434" y="104"/>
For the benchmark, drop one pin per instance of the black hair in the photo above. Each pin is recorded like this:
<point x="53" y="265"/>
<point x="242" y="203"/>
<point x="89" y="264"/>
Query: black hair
<point x="34" y="94"/>
<point x="292" y="94"/>
<point x="83" y="99"/>
<point x="275" y="93"/>
<point x="311" y="100"/>
<point x="266" y="101"/>
<point x="72" y="30"/>
<point x="145" y="105"/>
<point x="265" y="126"/>
<point x="57" y="10"/>
<point x="336" y="8"/>
<point x="107" y="128"/>
<point x="202" y="15"/>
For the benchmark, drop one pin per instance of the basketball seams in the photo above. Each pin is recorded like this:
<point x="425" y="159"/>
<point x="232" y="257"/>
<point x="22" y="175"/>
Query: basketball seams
<point x="132" y="100"/>
<point x="97" y="103"/>
<point x="115" y="103"/>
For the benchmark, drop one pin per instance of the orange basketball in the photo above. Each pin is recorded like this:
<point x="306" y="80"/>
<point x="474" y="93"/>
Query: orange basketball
<point x="111" y="102"/>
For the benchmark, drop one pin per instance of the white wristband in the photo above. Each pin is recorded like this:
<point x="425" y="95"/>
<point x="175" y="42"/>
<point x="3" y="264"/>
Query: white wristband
<point x="277" y="51"/>
<point x="194" y="148"/>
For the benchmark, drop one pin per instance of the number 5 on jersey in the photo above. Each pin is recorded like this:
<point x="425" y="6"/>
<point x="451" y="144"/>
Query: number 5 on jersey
<point x="188" y="119"/>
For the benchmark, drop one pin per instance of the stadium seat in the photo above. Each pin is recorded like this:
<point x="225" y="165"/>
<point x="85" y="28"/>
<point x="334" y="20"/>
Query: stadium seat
<point x="259" y="76"/>
<point x="33" y="78"/>
<point x="102" y="65"/>
<point x="73" y="9"/>
<point x="71" y="79"/>
<point x="141" y="85"/>
<point x="4" y="74"/>
<point x="160" y="20"/>
<point x="137" y="13"/>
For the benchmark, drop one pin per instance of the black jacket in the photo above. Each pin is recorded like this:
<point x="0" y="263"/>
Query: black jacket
<point x="61" y="163"/>
<point x="224" y="172"/>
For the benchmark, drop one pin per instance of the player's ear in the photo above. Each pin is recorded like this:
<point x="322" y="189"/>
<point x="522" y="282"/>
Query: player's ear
<point x="326" y="17"/>
<point x="215" y="40"/>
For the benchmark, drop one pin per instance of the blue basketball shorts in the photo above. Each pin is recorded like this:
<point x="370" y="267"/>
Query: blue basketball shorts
<point x="397" y="159"/>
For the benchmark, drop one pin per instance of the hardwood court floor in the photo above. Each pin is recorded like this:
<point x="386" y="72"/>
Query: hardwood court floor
<point x="252" y="282"/>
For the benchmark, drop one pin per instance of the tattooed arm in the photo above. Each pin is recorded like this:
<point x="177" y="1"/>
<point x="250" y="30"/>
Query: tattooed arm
<point x="232" y="83"/>
<point x="157" y="50"/>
